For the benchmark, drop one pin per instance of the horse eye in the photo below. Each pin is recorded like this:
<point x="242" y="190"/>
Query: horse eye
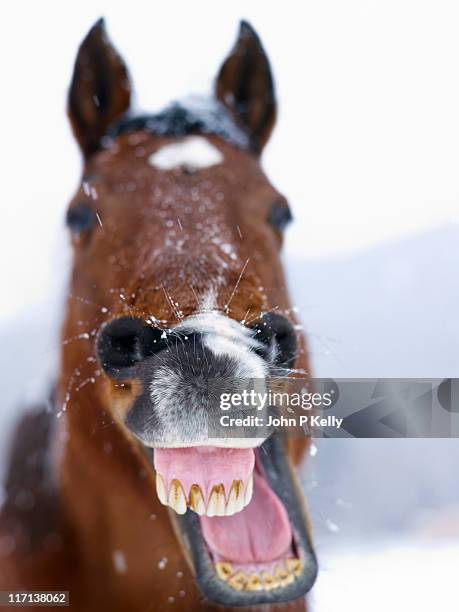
<point x="80" y="218"/>
<point x="279" y="216"/>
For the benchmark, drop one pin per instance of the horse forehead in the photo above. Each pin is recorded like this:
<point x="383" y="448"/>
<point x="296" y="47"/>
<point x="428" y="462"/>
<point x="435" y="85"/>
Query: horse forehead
<point x="151" y="158"/>
<point x="171" y="170"/>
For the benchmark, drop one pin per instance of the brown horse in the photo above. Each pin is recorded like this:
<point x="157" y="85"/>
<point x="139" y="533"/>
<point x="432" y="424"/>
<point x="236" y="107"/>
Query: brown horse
<point x="176" y="281"/>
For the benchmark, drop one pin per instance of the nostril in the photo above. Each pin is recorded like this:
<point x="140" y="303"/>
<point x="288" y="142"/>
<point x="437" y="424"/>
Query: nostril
<point x="124" y="342"/>
<point x="278" y="339"/>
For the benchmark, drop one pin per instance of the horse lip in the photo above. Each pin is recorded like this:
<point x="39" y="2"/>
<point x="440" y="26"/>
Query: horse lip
<point x="283" y="481"/>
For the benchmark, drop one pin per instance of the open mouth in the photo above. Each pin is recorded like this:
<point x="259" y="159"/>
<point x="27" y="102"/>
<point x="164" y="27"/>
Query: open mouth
<point x="240" y="516"/>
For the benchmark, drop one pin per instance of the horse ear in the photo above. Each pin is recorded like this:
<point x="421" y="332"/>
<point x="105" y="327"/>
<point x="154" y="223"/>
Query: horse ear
<point x="100" y="91"/>
<point x="245" y="86"/>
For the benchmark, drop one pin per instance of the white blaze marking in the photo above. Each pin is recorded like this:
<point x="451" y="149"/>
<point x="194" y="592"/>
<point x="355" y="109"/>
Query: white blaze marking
<point x="193" y="151"/>
<point x="209" y="301"/>
<point x="224" y="336"/>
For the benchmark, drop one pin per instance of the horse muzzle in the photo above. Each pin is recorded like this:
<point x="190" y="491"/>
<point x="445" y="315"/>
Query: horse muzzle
<point x="238" y="511"/>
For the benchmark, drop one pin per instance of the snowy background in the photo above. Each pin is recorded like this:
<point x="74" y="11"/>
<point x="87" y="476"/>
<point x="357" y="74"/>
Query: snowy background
<point x="367" y="151"/>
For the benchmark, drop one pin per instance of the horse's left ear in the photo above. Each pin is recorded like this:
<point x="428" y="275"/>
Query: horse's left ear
<point x="245" y="86"/>
<point x="100" y="91"/>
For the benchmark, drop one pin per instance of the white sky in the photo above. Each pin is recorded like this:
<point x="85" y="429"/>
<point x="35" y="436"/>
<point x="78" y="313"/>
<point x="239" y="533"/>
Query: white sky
<point x="367" y="142"/>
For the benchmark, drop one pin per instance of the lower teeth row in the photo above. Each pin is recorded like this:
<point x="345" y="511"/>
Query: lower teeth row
<point x="265" y="581"/>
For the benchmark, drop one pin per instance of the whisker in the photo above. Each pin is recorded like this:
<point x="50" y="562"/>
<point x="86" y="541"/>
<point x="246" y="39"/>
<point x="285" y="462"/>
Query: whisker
<point x="88" y="302"/>
<point x="262" y="314"/>
<point x="236" y="286"/>
<point x="171" y="303"/>
<point x="196" y="297"/>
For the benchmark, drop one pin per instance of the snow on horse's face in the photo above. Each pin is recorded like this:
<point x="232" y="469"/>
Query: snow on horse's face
<point x="177" y="235"/>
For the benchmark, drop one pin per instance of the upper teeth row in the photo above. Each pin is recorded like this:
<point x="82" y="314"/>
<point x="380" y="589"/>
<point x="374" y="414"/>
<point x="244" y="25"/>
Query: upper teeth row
<point x="218" y="504"/>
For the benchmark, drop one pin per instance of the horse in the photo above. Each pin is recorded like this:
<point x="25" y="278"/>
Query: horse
<point x="118" y="493"/>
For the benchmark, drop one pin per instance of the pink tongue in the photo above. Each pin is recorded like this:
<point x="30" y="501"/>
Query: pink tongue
<point x="205" y="466"/>
<point x="258" y="534"/>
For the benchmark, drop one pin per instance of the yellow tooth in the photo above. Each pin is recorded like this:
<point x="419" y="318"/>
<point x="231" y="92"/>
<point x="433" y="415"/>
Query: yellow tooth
<point x="284" y="577"/>
<point x="177" y="499"/>
<point x="161" y="489"/>
<point x="294" y="566"/>
<point x="235" y="500"/>
<point x="248" y="490"/>
<point x="290" y="578"/>
<point x="197" y="500"/>
<point x="224" y="570"/>
<point x="238" y="581"/>
<point x="216" y="505"/>
<point x="269" y="582"/>
<point x="254" y="583"/>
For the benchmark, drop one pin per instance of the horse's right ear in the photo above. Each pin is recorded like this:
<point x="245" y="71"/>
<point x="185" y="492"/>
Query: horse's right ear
<point x="100" y="91"/>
